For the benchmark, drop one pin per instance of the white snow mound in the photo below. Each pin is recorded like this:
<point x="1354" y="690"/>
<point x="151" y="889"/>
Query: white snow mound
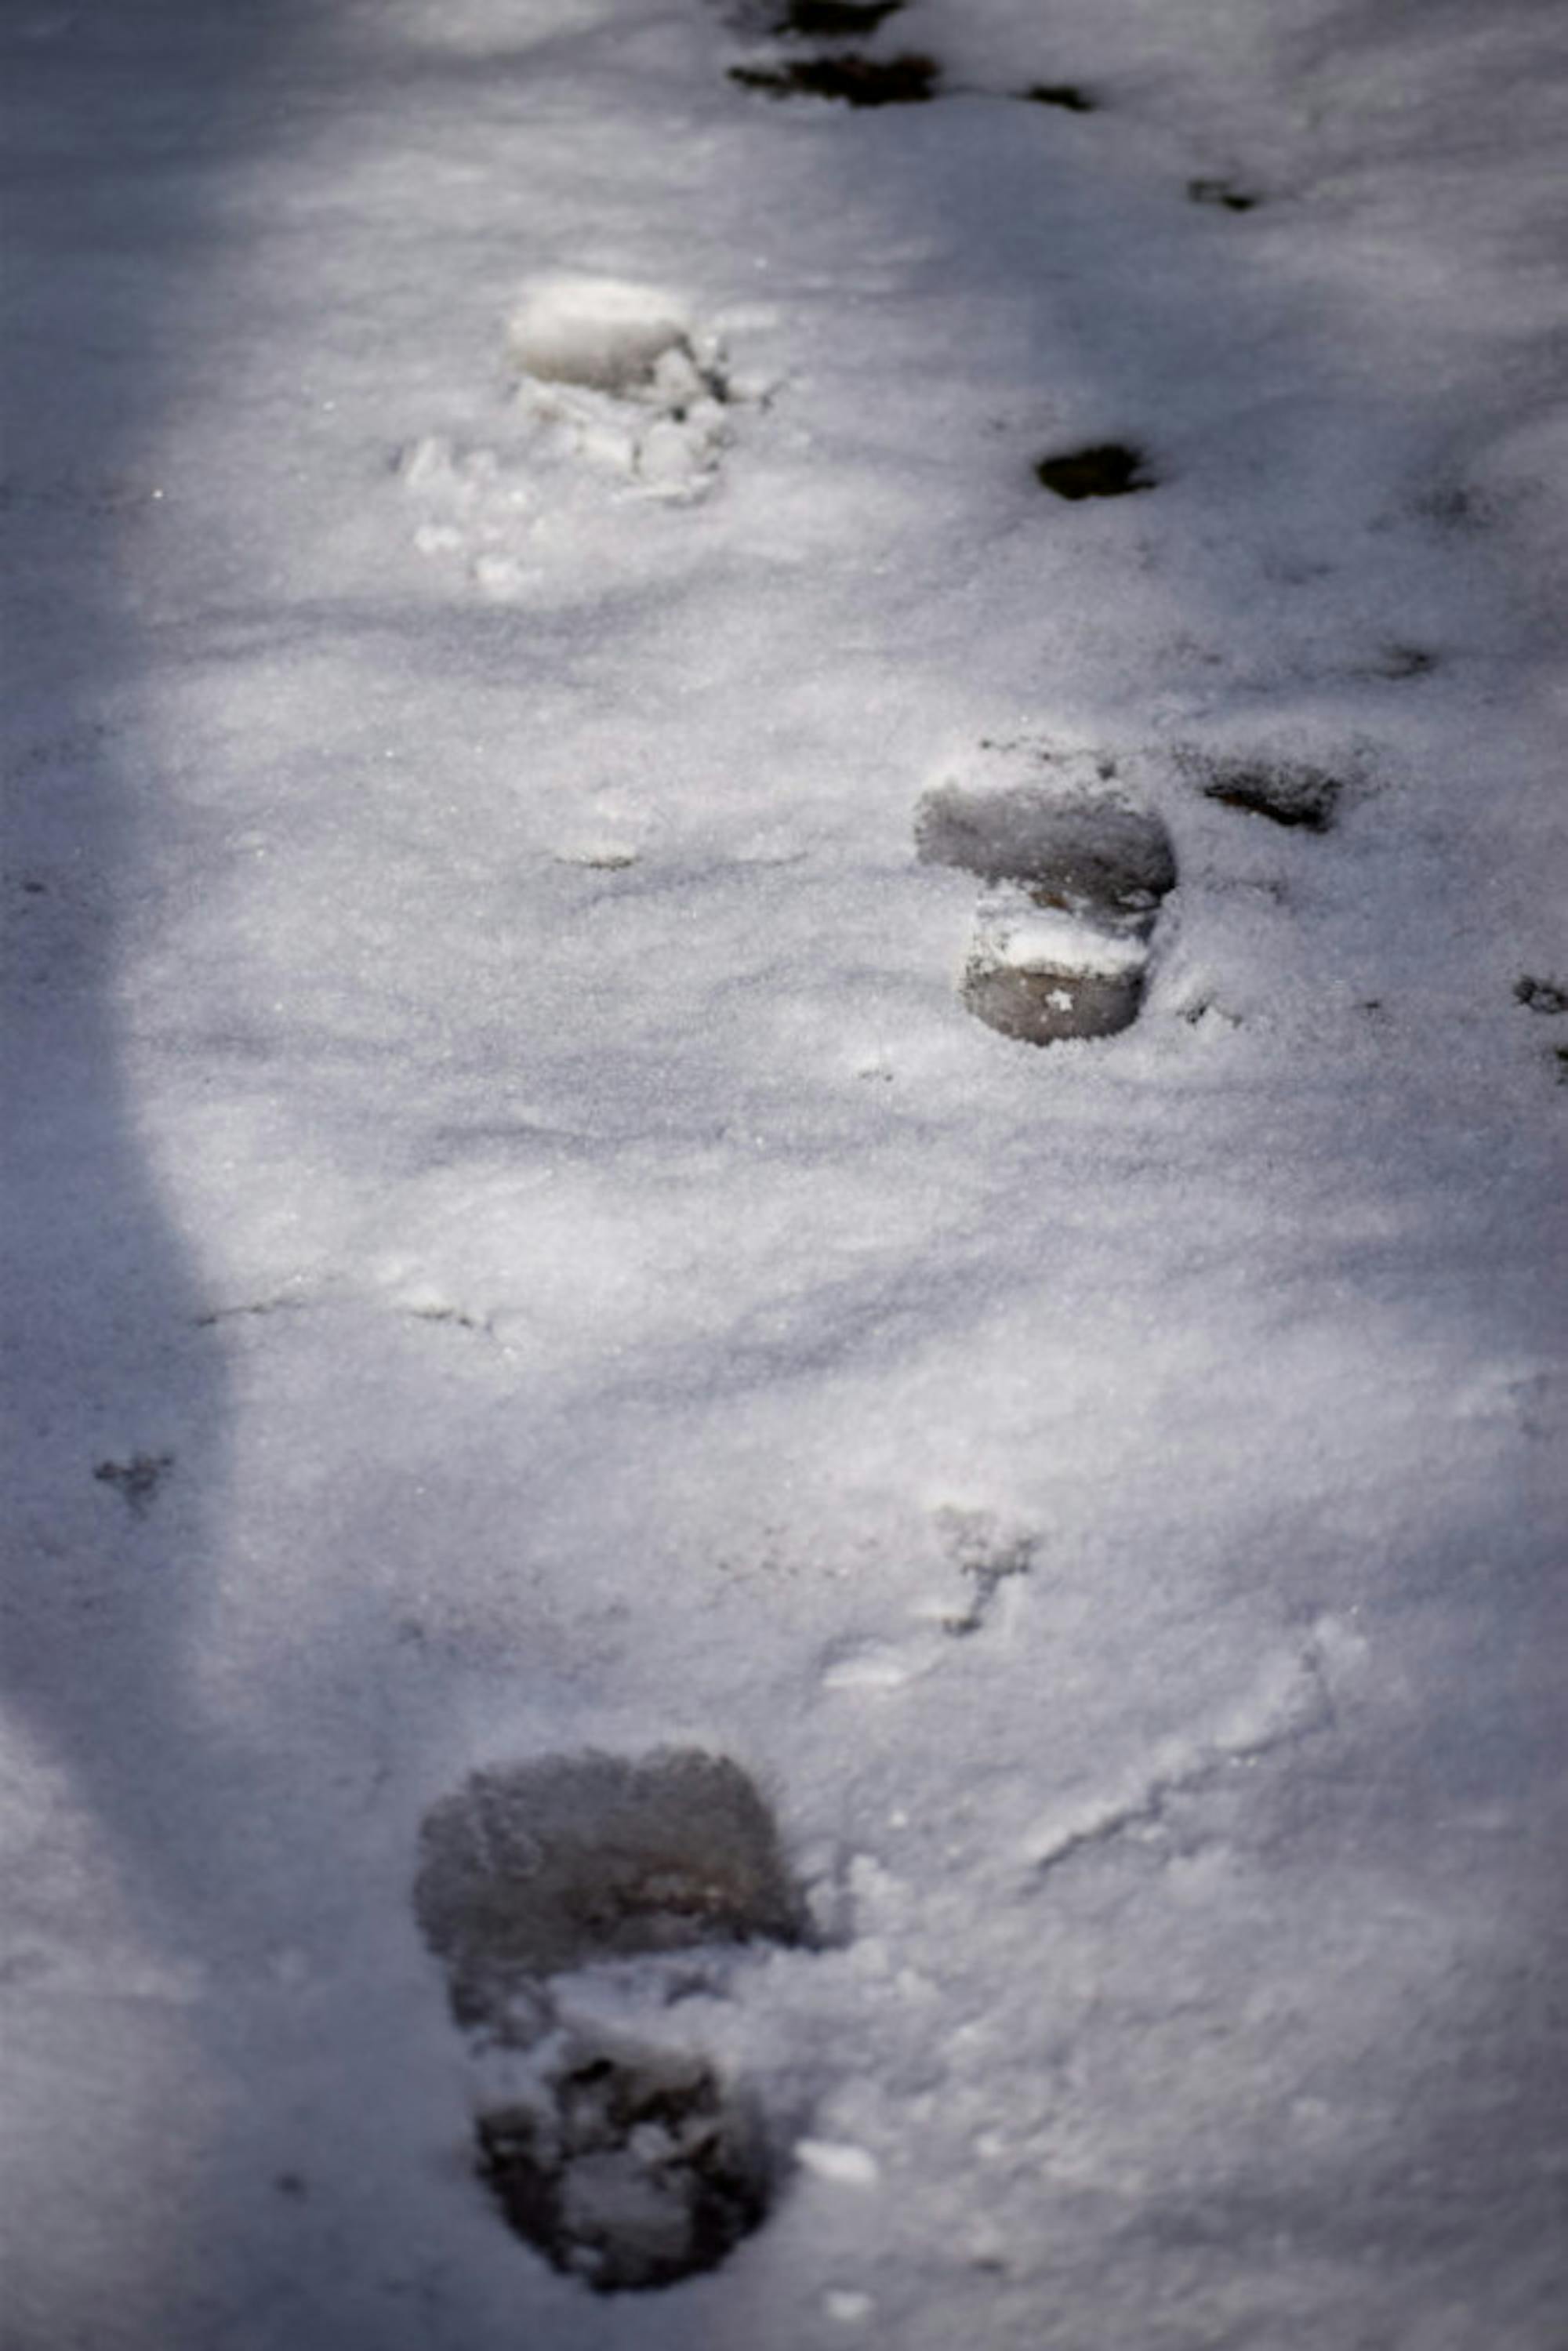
<point x="603" y="332"/>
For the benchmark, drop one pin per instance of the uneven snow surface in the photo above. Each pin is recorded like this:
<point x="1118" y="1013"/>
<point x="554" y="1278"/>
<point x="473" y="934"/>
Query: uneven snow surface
<point x="787" y="1018"/>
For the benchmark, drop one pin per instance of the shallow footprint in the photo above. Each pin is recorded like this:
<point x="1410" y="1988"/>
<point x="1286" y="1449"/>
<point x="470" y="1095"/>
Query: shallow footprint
<point x="1290" y="792"/>
<point x="1077" y="871"/>
<point x="627" y="2164"/>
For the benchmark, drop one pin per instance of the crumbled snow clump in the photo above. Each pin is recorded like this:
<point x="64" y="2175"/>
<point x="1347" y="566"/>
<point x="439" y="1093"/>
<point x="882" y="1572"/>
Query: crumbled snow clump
<point x="600" y="332"/>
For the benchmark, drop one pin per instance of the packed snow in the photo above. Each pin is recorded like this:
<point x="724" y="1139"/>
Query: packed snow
<point x="788" y="1009"/>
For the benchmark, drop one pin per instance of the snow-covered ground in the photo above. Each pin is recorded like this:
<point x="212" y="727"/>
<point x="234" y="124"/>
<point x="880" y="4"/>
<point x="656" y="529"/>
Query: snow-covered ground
<point x="1008" y="1597"/>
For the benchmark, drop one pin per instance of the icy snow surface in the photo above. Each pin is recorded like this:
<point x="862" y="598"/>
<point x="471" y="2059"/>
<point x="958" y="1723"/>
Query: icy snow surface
<point x="1004" y="1601"/>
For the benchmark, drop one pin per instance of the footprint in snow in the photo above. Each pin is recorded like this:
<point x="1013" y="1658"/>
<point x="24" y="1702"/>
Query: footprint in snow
<point x="629" y="2162"/>
<point x="1294" y="793"/>
<point x="621" y="375"/>
<point x="1076" y="873"/>
<point x="1068" y="95"/>
<point x="989" y="1558"/>
<point x="606" y="376"/>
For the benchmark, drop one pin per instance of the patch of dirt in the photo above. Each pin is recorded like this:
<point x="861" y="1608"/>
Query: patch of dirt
<point x="1540" y="995"/>
<point x="910" y="80"/>
<point x="138" y="1480"/>
<point x="1397" y="661"/>
<point x="1223" y="192"/>
<point x="1108" y="469"/>
<point x="1061" y="93"/>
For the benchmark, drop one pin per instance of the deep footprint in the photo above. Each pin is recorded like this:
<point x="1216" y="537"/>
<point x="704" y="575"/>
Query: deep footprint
<point x="1079" y="873"/>
<point x="628" y="2166"/>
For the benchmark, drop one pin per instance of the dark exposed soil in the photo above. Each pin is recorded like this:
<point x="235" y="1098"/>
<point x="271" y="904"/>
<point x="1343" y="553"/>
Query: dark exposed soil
<point x="1109" y="469"/>
<point x="1223" y="192"/>
<point x="907" y="80"/>
<point x="137" y="1480"/>
<point x="1061" y="93"/>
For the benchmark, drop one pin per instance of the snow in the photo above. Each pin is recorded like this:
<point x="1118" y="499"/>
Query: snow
<point x="843" y="2166"/>
<point x="548" y="706"/>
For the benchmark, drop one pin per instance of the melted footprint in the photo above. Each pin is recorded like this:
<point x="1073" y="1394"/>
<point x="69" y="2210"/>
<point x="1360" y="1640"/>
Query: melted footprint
<point x="1077" y="872"/>
<point x="627" y="2163"/>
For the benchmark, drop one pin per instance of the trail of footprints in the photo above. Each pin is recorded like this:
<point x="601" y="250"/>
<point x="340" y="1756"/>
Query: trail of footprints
<point x="619" y="381"/>
<point x="626" y="2158"/>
